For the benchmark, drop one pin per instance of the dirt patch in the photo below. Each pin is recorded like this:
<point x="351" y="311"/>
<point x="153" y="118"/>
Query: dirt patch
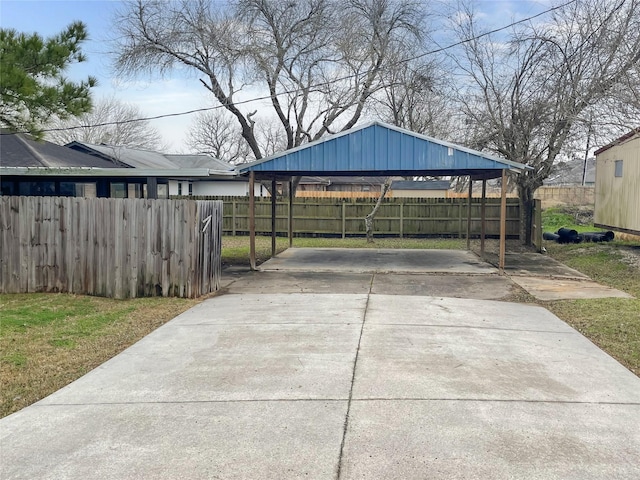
<point x="630" y="255"/>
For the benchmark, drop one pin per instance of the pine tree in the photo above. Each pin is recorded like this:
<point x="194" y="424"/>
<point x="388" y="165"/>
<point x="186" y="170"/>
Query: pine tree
<point x="32" y="83"/>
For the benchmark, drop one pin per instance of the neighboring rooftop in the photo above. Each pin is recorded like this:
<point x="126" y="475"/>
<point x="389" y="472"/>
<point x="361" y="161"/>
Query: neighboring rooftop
<point x="331" y="180"/>
<point x="420" y="185"/>
<point x="21" y="150"/>
<point x="570" y="173"/>
<point x="147" y="159"/>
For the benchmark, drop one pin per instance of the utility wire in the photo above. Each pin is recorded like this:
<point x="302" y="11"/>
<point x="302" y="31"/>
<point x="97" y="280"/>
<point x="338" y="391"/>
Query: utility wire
<point x="322" y="84"/>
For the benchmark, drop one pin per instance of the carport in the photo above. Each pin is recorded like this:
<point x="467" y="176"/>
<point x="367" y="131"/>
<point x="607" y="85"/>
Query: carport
<point x="379" y="149"/>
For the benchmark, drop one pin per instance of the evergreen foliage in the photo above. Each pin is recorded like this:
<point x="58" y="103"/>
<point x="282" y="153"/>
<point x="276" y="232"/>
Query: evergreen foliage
<point x="33" y="87"/>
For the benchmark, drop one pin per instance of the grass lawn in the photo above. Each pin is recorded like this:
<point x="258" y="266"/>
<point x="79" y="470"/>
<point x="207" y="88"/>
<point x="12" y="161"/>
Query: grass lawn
<point x="49" y="340"/>
<point x="611" y="323"/>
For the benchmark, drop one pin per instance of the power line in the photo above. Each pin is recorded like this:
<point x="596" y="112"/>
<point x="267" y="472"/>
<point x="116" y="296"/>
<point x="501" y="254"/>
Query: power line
<point x="322" y="84"/>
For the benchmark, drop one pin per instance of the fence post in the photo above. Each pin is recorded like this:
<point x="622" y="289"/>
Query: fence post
<point x="401" y="219"/>
<point x="344" y="220"/>
<point x="469" y="213"/>
<point x="233" y="218"/>
<point x="460" y="201"/>
<point x="252" y="220"/>
<point x="290" y="213"/>
<point x="503" y="222"/>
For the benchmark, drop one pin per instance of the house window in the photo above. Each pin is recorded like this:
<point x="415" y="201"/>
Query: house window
<point x="190" y="189"/>
<point x="179" y="188"/>
<point x="8" y="187"/>
<point x="86" y="190"/>
<point x="618" y="168"/>
<point x="67" y="189"/>
<point x="163" y="190"/>
<point x="135" y="190"/>
<point x="38" y="189"/>
<point x="118" y="190"/>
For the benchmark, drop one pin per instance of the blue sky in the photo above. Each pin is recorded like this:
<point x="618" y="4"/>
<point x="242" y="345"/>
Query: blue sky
<point x="172" y="94"/>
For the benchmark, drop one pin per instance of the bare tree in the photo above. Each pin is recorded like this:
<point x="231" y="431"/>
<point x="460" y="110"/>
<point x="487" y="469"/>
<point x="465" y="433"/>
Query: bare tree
<point x="97" y="127"/>
<point x="527" y="96"/>
<point x="216" y="133"/>
<point x="417" y="98"/>
<point x="320" y="60"/>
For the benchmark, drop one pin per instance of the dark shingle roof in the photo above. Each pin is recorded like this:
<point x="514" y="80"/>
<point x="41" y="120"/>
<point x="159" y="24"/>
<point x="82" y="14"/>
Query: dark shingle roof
<point x="20" y="150"/>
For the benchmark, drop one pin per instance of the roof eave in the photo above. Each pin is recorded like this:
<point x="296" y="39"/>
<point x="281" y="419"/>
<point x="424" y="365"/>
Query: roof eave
<point x="114" y="172"/>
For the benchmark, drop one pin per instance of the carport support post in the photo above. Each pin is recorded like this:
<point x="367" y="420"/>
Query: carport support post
<point x="290" y="213"/>
<point x="273" y="217"/>
<point x="252" y="220"/>
<point x="469" y="214"/>
<point x="503" y="221"/>
<point x="483" y="217"/>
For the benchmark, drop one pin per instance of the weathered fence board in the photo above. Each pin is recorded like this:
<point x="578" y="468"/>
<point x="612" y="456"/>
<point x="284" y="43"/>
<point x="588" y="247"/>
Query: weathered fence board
<point x="110" y="247"/>
<point x="396" y="217"/>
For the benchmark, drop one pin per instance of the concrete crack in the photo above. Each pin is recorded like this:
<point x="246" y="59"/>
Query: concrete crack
<point x="353" y="378"/>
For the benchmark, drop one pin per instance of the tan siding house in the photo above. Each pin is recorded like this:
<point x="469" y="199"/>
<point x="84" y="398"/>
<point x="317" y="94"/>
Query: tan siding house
<point x="617" y="196"/>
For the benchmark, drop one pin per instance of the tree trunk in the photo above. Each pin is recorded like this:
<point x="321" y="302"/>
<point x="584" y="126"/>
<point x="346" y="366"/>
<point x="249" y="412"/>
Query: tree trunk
<point x="368" y="220"/>
<point x="525" y="194"/>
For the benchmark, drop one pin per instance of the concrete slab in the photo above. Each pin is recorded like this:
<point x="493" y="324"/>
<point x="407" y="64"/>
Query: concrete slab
<point x="454" y="312"/>
<point x="341" y="260"/>
<point x="548" y="289"/>
<point x="235" y="347"/>
<point x="264" y="386"/>
<point x="430" y="351"/>
<point x="276" y="309"/>
<point x="412" y="362"/>
<point x="535" y="265"/>
<point x="490" y="287"/>
<point x="238" y="440"/>
<point x="299" y="282"/>
<point x="491" y="440"/>
<point x="207" y="363"/>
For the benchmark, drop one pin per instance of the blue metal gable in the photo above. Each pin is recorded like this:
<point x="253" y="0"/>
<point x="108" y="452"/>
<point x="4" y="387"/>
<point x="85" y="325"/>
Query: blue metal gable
<point x="378" y="148"/>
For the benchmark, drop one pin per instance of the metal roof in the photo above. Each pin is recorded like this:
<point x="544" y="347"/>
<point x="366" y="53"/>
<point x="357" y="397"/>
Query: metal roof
<point x="618" y="141"/>
<point x="138" y="158"/>
<point x="380" y="149"/>
<point x="201" y="173"/>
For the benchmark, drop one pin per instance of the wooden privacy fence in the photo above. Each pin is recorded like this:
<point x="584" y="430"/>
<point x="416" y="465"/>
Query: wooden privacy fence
<point x="110" y="247"/>
<point x="396" y="217"/>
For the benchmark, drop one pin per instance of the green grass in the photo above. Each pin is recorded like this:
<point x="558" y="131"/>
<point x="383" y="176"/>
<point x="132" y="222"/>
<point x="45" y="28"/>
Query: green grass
<point x="49" y="340"/>
<point x="574" y="219"/>
<point x="611" y="323"/>
<point x="37" y="310"/>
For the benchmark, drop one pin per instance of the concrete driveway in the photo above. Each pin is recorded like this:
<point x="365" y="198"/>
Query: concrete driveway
<point x="336" y="378"/>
